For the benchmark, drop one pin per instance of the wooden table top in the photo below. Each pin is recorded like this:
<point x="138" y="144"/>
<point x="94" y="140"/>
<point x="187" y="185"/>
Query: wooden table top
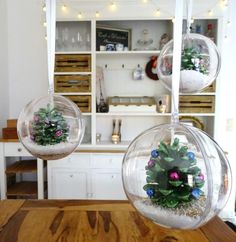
<point x="94" y="221"/>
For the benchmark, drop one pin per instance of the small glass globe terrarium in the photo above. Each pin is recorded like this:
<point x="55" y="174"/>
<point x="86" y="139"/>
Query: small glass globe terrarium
<point x="50" y="127"/>
<point x="200" y="63"/>
<point x="176" y="175"/>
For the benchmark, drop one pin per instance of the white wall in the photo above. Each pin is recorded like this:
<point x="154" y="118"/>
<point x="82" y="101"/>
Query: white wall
<point x="27" y="60"/>
<point x="4" y="104"/>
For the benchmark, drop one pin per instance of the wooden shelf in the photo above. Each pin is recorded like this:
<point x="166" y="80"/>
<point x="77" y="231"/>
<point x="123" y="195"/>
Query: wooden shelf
<point x="25" y="188"/>
<point x="22" y="166"/>
<point x="133" y="114"/>
<point x="130" y="52"/>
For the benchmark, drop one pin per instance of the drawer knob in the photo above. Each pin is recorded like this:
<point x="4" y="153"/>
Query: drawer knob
<point x="19" y="149"/>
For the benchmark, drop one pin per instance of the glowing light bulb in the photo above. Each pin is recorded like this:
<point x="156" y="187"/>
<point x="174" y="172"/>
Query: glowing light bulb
<point x="44" y="7"/>
<point x="210" y="12"/>
<point x="45" y="37"/>
<point x="79" y="15"/>
<point x="97" y="14"/>
<point x="112" y="6"/>
<point x="158" y="12"/>
<point x="45" y="24"/>
<point x="63" y="7"/>
<point x="192" y="20"/>
<point x="173" y="20"/>
<point x="145" y="1"/>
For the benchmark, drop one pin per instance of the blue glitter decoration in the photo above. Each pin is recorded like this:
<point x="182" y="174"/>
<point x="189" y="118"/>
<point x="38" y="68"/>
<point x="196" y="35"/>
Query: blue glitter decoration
<point x="154" y="154"/>
<point x="150" y="192"/>
<point x="196" y="192"/>
<point x="191" y="155"/>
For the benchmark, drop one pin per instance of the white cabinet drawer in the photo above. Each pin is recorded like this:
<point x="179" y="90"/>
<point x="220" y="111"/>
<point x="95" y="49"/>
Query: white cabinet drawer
<point x="68" y="184"/>
<point x="107" y="161"/>
<point x="15" y="149"/>
<point x="107" y="184"/>
<point x="73" y="160"/>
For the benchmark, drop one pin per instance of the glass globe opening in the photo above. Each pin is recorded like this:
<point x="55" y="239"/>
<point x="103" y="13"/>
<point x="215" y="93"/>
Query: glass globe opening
<point x="50" y="127"/>
<point x="176" y="175"/>
<point x="200" y="63"/>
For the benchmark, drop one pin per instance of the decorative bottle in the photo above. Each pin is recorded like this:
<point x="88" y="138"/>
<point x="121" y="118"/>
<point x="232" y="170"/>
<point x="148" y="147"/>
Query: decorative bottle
<point x="210" y="33"/>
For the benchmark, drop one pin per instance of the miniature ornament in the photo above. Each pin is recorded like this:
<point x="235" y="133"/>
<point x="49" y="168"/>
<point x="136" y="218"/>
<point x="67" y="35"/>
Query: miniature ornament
<point x="50" y="127"/>
<point x="200" y="63"/>
<point x="176" y="175"/>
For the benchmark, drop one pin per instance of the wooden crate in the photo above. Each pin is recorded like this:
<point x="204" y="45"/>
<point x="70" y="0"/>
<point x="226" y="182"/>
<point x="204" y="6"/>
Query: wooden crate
<point x="210" y="88"/>
<point x="72" y="83"/>
<point x="132" y="104"/>
<point x="196" y="104"/>
<point x="83" y="102"/>
<point x="12" y="123"/>
<point x="72" y="63"/>
<point x="9" y="133"/>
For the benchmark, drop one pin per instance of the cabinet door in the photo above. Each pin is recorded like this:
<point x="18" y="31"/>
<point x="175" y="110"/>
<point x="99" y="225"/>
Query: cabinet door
<point x="107" y="184"/>
<point x="68" y="184"/>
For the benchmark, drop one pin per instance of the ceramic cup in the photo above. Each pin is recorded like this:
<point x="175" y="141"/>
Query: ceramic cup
<point x="102" y="47"/>
<point x="138" y="73"/>
<point x="110" y="47"/>
<point x="163" y="104"/>
<point x="119" y="47"/>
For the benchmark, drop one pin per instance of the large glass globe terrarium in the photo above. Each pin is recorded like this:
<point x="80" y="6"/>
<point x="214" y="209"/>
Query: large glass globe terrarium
<point x="176" y="175"/>
<point x="200" y="63"/>
<point x="50" y="127"/>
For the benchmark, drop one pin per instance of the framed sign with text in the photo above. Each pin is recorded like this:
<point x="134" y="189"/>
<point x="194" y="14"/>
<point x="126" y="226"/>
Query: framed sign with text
<point x="108" y="35"/>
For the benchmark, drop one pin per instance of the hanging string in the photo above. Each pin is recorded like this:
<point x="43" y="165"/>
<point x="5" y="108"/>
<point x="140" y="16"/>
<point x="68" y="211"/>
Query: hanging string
<point x="189" y="15"/>
<point x="51" y="29"/>
<point x="177" y="44"/>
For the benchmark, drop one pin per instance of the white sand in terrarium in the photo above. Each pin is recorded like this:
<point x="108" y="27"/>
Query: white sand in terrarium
<point x="190" y="81"/>
<point x="173" y="218"/>
<point x="48" y="152"/>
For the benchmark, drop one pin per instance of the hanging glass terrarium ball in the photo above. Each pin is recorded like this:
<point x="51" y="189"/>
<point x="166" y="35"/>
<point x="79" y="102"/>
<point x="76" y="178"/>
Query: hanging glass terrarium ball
<point x="176" y="175"/>
<point x="200" y="63"/>
<point x="50" y="127"/>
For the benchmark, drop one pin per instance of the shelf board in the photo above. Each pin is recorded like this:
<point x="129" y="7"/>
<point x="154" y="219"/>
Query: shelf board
<point x="198" y="94"/>
<point x="25" y="188"/>
<point x="73" y="73"/>
<point x="86" y="114"/>
<point x="22" y="166"/>
<point x="131" y="52"/>
<point x="73" y="93"/>
<point x="109" y="144"/>
<point x="73" y="52"/>
<point x="153" y="114"/>
<point x="198" y="114"/>
<point x="134" y="114"/>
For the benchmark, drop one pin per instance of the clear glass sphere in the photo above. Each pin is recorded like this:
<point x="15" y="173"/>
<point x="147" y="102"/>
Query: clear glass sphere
<point x="176" y="175"/>
<point x="50" y="127"/>
<point x="200" y="63"/>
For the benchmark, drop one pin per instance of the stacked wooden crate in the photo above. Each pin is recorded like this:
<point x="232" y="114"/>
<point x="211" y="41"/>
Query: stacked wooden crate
<point x="10" y="132"/>
<point x="73" y="78"/>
